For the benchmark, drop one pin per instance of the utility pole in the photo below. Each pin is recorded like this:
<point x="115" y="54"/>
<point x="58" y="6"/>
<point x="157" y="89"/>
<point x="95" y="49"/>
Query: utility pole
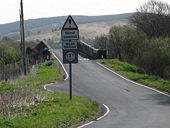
<point x="22" y="33"/>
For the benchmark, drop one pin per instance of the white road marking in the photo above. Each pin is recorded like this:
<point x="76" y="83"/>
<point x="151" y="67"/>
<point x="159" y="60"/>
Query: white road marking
<point x="61" y="65"/>
<point x="107" y="108"/>
<point x="133" y="81"/>
<point x="107" y="112"/>
<point x="45" y="87"/>
<point x="86" y="124"/>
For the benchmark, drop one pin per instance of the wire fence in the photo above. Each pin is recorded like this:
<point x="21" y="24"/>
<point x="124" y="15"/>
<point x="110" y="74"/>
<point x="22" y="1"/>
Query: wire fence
<point x="13" y="70"/>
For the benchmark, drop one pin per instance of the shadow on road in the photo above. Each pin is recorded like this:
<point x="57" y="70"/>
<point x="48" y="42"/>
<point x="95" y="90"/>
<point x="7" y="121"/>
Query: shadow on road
<point x="160" y="99"/>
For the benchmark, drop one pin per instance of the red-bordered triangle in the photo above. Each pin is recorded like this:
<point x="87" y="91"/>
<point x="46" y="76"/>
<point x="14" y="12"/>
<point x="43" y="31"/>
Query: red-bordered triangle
<point x="70" y="24"/>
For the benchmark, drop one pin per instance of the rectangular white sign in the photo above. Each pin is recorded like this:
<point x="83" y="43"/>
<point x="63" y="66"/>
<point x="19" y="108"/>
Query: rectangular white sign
<point x="69" y="45"/>
<point x="69" y="35"/>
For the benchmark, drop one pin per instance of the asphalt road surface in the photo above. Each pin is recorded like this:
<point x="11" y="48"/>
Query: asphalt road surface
<point x="131" y="106"/>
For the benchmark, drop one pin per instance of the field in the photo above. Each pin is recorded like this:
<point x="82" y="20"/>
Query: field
<point x="24" y="105"/>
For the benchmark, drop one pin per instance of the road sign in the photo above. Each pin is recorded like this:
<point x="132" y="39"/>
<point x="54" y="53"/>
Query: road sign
<point x="69" y="35"/>
<point x="69" y="30"/>
<point x="70" y="56"/>
<point x="68" y="45"/>
<point x="70" y="24"/>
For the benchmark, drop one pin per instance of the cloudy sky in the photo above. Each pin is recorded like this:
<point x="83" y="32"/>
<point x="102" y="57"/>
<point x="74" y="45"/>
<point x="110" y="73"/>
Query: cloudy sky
<point x="9" y="9"/>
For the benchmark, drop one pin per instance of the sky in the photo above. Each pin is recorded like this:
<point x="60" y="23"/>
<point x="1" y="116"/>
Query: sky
<point x="9" y="9"/>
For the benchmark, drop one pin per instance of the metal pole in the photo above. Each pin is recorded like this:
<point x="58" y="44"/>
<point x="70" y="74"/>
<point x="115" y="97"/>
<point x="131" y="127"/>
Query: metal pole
<point x="70" y="76"/>
<point x="23" y="39"/>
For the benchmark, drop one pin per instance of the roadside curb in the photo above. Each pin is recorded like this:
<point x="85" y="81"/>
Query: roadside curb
<point x="142" y="85"/>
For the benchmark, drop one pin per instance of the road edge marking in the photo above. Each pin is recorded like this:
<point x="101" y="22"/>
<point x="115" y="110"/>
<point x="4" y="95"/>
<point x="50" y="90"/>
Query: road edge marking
<point x="107" y="112"/>
<point x="86" y="124"/>
<point x="45" y="87"/>
<point x="153" y="89"/>
<point x="61" y="65"/>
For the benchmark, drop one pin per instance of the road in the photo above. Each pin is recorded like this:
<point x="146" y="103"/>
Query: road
<point x="131" y="106"/>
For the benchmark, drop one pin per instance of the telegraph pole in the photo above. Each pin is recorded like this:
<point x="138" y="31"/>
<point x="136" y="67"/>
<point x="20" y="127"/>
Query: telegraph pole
<point x="23" y="47"/>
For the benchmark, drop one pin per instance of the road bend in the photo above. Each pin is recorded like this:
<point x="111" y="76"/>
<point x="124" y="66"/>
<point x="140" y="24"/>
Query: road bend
<point x="131" y="106"/>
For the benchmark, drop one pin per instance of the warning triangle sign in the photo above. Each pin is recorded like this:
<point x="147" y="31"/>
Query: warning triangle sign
<point x="70" y="24"/>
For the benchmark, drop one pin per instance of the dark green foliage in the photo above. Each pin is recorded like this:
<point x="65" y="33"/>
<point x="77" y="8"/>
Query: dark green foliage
<point x="126" y="43"/>
<point x="101" y="42"/>
<point x="133" y="46"/>
<point x="128" y="71"/>
<point x="9" y="51"/>
<point x="156" y="58"/>
<point x="49" y="63"/>
<point x="9" y="58"/>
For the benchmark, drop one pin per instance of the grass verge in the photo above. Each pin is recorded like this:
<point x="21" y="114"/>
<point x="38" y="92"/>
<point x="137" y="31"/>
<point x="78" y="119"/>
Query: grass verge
<point x="130" y="71"/>
<point x="23" y="105"/>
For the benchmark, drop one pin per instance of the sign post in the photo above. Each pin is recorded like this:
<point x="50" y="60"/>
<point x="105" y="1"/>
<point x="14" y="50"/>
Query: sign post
<point x="70" y="37"/>
<point x="70" y="81"/>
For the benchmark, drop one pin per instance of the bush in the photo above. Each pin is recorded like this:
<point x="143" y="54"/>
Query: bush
<point x="132" y="45"/>
<point x="166" y="72"/>
<point x="126" y="43"/>
<point x="49" y="63"/>
<point x="156" y="57"/>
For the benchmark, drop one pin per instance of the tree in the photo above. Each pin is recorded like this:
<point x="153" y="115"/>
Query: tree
<point x="156" y="58"/>
<point x="126" y="43"/>
<point x="153" y="18"/>
<point x="101" y="42"/>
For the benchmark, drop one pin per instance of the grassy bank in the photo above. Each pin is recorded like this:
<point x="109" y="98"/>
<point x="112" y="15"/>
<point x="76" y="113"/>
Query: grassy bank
<point x="24" y="105"/>
<point x="130" y="71"/>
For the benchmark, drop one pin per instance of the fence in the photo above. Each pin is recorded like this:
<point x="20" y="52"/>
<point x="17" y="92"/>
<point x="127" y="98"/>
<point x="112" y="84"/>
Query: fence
<point x="13" y="70"/>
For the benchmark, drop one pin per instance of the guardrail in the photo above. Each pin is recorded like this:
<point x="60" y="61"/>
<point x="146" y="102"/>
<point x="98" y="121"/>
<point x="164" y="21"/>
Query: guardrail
<point x="90" y="52"/>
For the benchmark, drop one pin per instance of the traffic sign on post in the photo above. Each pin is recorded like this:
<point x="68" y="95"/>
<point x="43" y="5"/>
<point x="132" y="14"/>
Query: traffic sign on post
<point x="71" y="44"/>
<point x="70" y="37"/>
<point x="70" y="56"/>
<point x="70" y="24"/>
<point x="69" y="30"/>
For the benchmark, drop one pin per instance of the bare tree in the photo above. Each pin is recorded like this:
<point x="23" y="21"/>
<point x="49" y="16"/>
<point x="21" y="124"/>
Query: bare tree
<point x="153" y="18"/>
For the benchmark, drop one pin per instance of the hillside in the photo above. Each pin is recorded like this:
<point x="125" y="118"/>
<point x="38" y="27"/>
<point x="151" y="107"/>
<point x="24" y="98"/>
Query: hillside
<point x="87" y="31"/>
<point x="46" y="25"/>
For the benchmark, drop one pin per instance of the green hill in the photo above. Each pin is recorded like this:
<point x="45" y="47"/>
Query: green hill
<point x="47" y="24"/>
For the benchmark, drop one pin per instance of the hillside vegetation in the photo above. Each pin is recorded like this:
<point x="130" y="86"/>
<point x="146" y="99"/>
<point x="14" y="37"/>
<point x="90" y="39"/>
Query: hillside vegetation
<point x="24" y="105"/>
<point x="132" y="72"/>
<point x="134" y="45"/>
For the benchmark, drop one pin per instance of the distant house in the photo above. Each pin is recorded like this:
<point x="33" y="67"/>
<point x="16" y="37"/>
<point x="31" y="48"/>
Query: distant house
<point x="37" y="52"/>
